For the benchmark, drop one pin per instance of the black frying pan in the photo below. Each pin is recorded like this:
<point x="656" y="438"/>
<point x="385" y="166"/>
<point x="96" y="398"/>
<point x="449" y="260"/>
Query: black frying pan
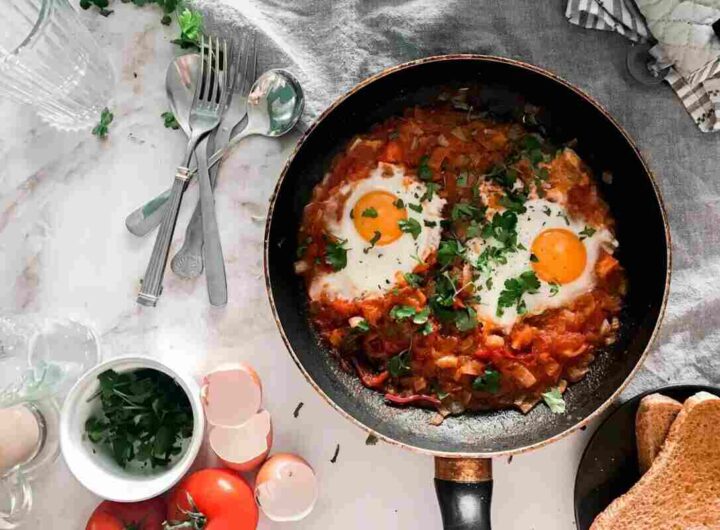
<point x="463" y="445"/>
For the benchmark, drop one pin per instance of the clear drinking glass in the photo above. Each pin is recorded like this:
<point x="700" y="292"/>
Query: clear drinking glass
<point x="40" y="359"/>
<point x="49" y="60"/>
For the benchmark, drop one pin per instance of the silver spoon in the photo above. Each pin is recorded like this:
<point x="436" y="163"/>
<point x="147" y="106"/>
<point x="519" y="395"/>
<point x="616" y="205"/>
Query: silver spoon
<point x="274" y="106"/>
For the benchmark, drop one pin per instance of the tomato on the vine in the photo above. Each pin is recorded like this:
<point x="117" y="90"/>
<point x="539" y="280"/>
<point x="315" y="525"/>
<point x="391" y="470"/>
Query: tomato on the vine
<point x="145" y="515"/>
<point x="213" y="499"/>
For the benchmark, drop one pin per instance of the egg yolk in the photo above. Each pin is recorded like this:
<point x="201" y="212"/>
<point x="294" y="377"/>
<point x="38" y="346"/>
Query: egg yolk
<point x="561" y="256"/>
<point x="376" y="212"/>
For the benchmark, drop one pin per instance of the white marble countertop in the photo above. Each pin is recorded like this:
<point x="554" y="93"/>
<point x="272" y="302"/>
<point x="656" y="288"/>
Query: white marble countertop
<point x="64" y="250"/>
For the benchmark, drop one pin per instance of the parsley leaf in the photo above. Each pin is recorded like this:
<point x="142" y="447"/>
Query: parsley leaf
<point x="488" y="382"/>
<point x="410" y="226"/>
<point x="466" y="319"/>
<point x="401" y="312"/>
<point x="421" y="317"/>
<point x="413" y="280"/>
<point x="462" y="179"/>
<point x="554" y="400"/>
<point x="336" y="254"/>
<point x="169" y="120"/>
<point x="363" y="326"/>
<point x="375" y="238"/>
<point x="190" y="23"/>
<point x="302" y="247"/>
<point x="514" y="289"/>
<point x="399" y="365"/>
<point x="533" y="258"/>
<point x="448" y="250"/>
<point x="588" y="231"/>
<point x="431" y="189"/>
<point x="554" y="289"/>
<point x="464" y="209"/>
<point x="423" y="171"/>
<point x="503" y="175"/>
<point x="415" y="207"/>
<point x="102" y="128"/>
<point x="399" y="204"/>
<point x="514" y="202"/>
<point x="369" y="212"/>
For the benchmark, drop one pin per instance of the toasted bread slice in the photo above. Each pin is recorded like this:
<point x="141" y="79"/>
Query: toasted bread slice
<point x="681" y="490"/>
<point x="654" y="417"/>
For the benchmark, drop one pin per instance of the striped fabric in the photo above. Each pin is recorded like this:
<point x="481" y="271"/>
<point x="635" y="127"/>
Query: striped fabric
<point x="700" y="95"/>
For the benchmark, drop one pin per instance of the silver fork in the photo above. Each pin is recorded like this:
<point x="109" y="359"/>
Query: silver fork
<point x="188" y="261"/>
<point x="209" y="101"/>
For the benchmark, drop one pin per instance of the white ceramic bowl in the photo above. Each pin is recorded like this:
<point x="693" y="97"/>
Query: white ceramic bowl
<point x="96" y="470"/>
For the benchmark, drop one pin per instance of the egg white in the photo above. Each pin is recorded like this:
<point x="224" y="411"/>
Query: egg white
<point x="540" y="215"/>
<point x="374" y="271"/>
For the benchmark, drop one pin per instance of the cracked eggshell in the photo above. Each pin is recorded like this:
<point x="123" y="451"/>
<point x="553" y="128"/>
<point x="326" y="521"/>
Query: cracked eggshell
<point x="231" y="395"/>
<point x="286" y="488"/>
<point x="246" y="446"/>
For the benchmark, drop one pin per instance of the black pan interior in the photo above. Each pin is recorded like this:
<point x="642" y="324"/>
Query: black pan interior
<point x="566" y="115"/>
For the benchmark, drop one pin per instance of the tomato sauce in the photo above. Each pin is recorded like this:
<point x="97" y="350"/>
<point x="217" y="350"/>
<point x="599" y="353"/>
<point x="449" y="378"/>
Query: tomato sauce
<point x="483" y="367"/>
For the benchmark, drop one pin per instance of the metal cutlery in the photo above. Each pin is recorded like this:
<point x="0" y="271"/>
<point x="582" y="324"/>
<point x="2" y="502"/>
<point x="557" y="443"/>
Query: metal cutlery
<point x="209" y="102"/>
<point x="275" y="106"/>
<point x="188" y="261"/>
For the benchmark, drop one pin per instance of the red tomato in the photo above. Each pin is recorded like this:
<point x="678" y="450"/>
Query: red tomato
<point x="145" y="515"/>
<point x="220" y="495"/>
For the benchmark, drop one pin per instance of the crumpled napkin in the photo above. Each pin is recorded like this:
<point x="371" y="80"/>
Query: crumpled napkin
<point x="687" y="49"/>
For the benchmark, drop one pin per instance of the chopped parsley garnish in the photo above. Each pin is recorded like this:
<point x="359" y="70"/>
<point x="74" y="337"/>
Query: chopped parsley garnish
<point x="448" y="250"/>
<point x="431" y="189"/>
<point x="554" y="289"/>
<point x="547" y="211"/>
<point x="503" y="175"/>
<point x="514" y="202"/>
<point x="369" y="212"/>
<point x="427" y="328"/>
<point x="466" y="210"/>
<point x="302" y="247"/>
<point x="488" y="382"/>
<point x="474" y="229"/>
<point x="415" y="207"/>
<point x="565" y="217"/>
<point x="399" y="365"/>
<point x="421" y="317"/>
<point x="514" y="289"/>
<point x="462" y="179"/>
<point x="102" y="129"/>
<point x="399" y="204"/>
<point x="588" y="231"/>
<point x="336" y="254"/>
<point x="410" y="226"/>
<point x="169" y="120"/>
<point x="424" y="172"/>
<point x="363" y="326"/>
<point x="412" y="279"/>
<point x="375" y="238"/>
<point x="144" y="416"/>
<point x="466" y="319"/>
<point x="401" y="312"/>
<point x="554" y="400"/>
<point x="533" y="258"/>
<point x="430" y="224"/>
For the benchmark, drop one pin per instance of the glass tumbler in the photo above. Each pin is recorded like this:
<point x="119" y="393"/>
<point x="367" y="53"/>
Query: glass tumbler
<point x="49" y="60"/>
<point x="40" y="359"/>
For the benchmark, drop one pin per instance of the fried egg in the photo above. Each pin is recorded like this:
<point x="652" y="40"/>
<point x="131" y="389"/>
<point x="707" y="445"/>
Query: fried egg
<point x="560" y="251"/>
<point x="389" y="225"/>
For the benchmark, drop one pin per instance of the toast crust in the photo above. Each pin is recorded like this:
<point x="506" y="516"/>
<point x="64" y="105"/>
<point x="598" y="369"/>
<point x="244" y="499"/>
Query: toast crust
<point x="681" y="490"/>
<point x="655" y="414"/>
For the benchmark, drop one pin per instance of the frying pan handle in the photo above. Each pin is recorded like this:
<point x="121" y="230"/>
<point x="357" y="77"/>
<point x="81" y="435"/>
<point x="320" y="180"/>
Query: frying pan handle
<point x="464" y="491"/>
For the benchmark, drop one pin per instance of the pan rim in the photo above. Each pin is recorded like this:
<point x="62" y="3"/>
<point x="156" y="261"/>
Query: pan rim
<point x="553" y="77"/>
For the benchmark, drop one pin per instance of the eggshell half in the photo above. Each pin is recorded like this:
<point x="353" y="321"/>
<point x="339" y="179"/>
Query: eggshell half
<point x="231" y="395"/>
<point x="245" y="447"/>
<point x="286" y="488"/>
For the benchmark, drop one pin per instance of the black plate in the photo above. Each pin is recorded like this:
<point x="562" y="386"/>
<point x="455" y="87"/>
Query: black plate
<point x="609" y="466"/>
